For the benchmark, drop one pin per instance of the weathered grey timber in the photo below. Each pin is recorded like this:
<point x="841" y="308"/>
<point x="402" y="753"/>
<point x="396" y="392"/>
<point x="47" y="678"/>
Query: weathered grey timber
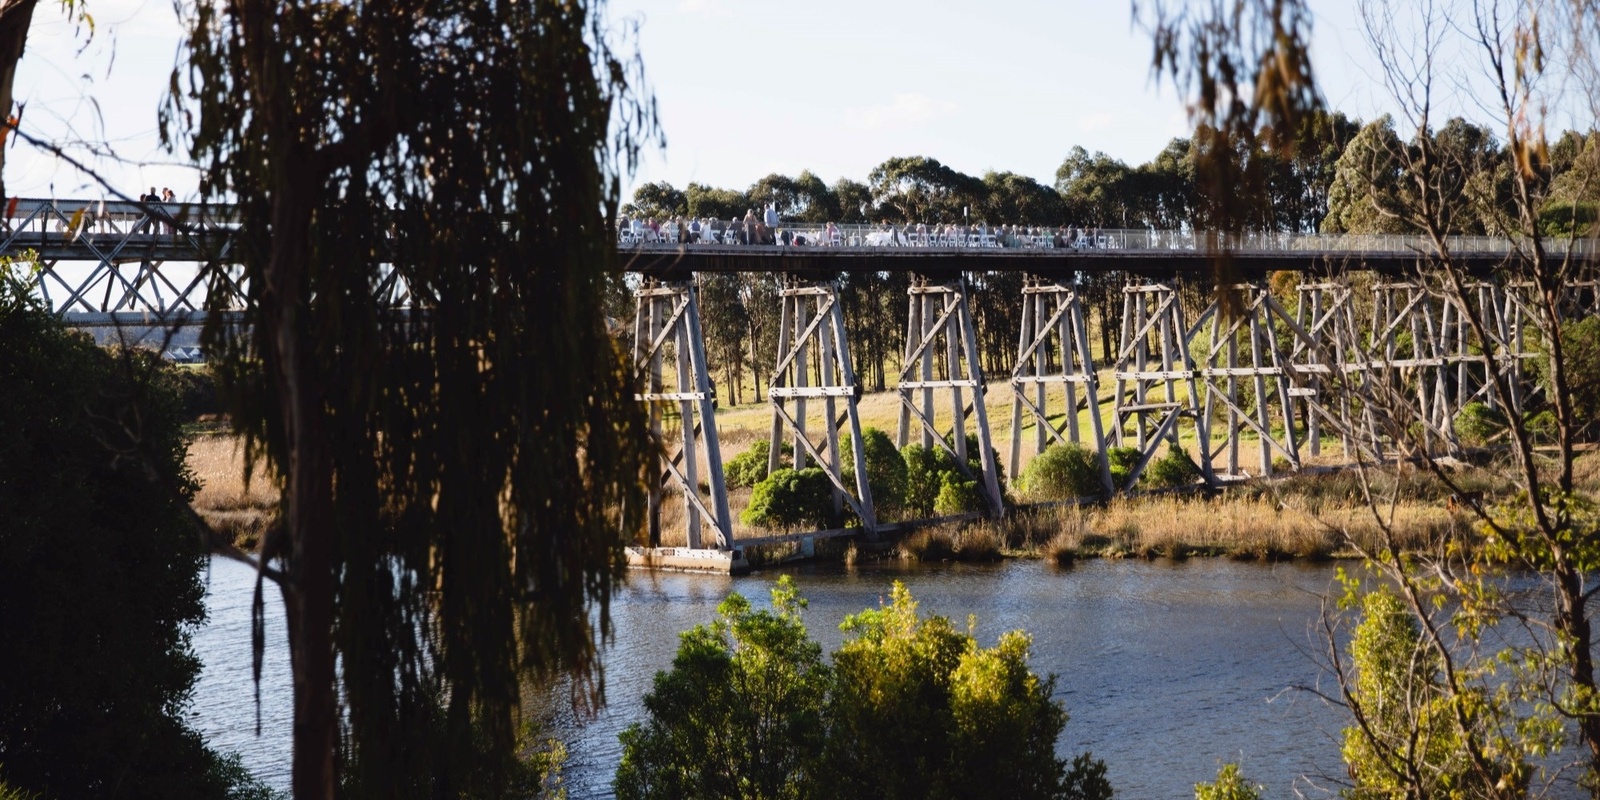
<point x="940" y="313"/>
<point x="1368" y="333"/>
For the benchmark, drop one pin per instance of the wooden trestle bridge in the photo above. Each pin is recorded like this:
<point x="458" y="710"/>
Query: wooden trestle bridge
<point x="1365" y="313"/>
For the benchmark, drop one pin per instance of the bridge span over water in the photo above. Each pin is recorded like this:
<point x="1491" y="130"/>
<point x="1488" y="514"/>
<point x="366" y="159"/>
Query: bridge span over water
<point x="1248" y="381"/>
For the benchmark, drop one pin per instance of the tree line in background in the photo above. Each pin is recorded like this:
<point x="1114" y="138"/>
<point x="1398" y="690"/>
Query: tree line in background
<point x="1339" y="176"/>
<point x="1336" y="176"/>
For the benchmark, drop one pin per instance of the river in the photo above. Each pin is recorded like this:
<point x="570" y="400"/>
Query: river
<point x="1167" y="669"/>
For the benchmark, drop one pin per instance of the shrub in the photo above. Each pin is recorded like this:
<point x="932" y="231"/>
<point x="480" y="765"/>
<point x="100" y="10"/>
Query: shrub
<point x="1478" y="423"/>
<point x="912" y="707"/>
<point x="1122" y="460"/>
<point x="1171" y="471"/>
<point x="925" y="471"/>
<point x="1561" y="218"/>
<point x="1061" y="472"/>
<point x="100" y="571"/>
<point x="886" y="470"/>
<point x="791" y="498"/>
<point x="745" y="693"/>
<point x="750" y="467"/>
<point x="1541" y="427"/>
<point x="1230" y="785"/>
<point x="1409" y="744"/>
<point x="957" y="496"/>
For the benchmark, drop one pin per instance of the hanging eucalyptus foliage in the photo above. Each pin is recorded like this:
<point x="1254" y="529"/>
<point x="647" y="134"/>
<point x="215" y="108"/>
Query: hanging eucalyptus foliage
<point x="458" y="478"/>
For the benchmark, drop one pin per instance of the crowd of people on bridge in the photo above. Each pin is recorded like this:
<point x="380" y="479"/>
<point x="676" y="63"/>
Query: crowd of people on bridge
<point x="763" y="228"/>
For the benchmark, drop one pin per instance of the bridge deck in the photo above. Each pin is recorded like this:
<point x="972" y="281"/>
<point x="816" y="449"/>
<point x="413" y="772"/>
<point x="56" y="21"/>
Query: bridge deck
<point x="681" y="261"/>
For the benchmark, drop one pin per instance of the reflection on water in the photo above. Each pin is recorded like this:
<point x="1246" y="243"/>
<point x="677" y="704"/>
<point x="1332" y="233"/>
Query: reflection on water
<point x="1167" y="669"/>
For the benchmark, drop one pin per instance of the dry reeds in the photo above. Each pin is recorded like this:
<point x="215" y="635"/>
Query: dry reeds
<point x="218" y="462"/>
<point x="241" y="513"/>
<point x="974" y="542"/>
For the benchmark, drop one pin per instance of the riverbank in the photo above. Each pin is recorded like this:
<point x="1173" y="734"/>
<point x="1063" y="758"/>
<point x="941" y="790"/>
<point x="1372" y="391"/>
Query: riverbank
<point x="1312" y="517"/>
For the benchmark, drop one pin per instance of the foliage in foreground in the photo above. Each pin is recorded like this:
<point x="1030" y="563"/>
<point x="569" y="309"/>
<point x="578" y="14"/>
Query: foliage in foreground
<point x="99" y="572"/>
<point x="911" y="708"/>
<point x="1411" y="736"/>
<point x="1230" y="785"/>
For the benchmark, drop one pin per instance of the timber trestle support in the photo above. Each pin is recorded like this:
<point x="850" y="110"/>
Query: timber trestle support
<point x="1258" y="381"/>
<point x="814" y="367"/>
<point x="669" y="314"/>
<point x="941" y="355"/>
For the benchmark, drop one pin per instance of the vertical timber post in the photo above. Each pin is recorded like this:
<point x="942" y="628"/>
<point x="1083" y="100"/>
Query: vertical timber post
<point x="669" y="313"/>
<point x="946" y="315"/>
<point x="836" y="379"/>
<point x="1051" y="310"/>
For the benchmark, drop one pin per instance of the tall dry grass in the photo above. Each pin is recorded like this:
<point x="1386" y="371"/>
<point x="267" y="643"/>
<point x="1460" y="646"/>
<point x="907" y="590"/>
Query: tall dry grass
<point x="241" y="512"/>
<point x="977" y="541"/>
<point x="218" y="462"/>
<point x="1251" y="528"/>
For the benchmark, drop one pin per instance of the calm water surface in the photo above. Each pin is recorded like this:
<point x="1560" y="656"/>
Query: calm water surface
<point x="1167" y="669"/>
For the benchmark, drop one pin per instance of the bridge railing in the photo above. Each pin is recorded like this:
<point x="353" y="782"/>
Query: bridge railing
<point x="980" y="238"/>
<point x="27" y="220"/>
<point x="34" y="220"/>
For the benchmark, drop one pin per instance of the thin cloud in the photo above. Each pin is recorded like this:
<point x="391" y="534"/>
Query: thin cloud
<point x="903" y="111"/>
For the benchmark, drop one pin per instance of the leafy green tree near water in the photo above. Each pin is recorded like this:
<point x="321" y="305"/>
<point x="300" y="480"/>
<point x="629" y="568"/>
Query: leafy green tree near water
<point x="911" y="708"/>
<point x="100" y="572"/>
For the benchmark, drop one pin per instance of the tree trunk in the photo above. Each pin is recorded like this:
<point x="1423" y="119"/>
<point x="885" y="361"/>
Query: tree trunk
<point x="15" y="18"/>
<point x="309" y="588"/>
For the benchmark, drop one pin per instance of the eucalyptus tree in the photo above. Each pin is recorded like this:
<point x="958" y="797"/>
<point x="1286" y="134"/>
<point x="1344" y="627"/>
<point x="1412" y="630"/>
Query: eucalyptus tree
<point x="854" y="200"/>
<point x="658" y="199"/>
<point x="920" y="189"/>
<point x="457" y="481"/>
<point x="1491" y="706"/>
<point x="1368" y="189"/>
<point x="1010" y="198"/>
<point x="708" y="201"/>
<point x="1093" y="188"/>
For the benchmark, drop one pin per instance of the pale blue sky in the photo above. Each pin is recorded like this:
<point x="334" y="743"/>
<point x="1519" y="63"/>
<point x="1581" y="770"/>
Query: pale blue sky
<point x="746" y="87"/>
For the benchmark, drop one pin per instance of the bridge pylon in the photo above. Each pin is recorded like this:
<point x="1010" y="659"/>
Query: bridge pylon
<point x="1252" y="380"/>
<point x="812" y="318"/>
<point x="1053" y="350"/>
<point x="669" y="314"/>
<point x="939" y="333"/>
<point x="1153" y="361"/>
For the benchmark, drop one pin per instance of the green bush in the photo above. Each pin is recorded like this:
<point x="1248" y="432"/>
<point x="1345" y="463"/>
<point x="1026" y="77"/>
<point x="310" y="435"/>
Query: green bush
<point x="1230" y="785"/>
<point x="1561" y="218"/>
<point x="1478" y="423"/>
<point x="1580" y="351"/>
<point x="1061" y="472"/>
<point x="957" y="496"/>
<point x="925" y="471"/>
<point x="913" y="707"/>
<point x="886" y="470"/>
<point x="100" y="571"/>
<point x="197" y="391"/>
<point x="1541" y="427"/>
<point x="750" y="467"/>
<point x="791" y="498"/>
<point x="1409" y="743"/>
<point x="928" y="470"/>
<point x="1171" y="471"/>
<point x="1122" y="460"/>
